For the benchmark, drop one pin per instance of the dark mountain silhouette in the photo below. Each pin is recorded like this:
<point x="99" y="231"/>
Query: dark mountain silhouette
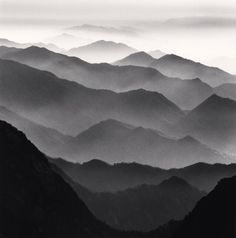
<point x="102" y="51"/>
<point x="156" y="53"/>
<point x="36" y="201"/>
<point x="213" y="122"/>
<point x="176" y="66"/>
<point x="185" y="93"/>
<point x="100" y="176"/>
<point x="46" y="139"/>
<point x="114" y="142"/>
<point x="137" y="59"/>
<point x="226" y="91"/>
<point x="50" y="101"/>
<point x="214" y="215"/>
<point x="141" y="208"/>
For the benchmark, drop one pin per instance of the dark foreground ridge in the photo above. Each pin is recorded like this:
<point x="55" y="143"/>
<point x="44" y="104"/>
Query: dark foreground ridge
<point x="35" y="201"/>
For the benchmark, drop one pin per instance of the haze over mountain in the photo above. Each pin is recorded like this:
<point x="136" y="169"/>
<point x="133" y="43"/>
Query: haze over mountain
<point x="213" y="122"/>
<point x="46" y="139"/>
<point x="89" y="28"/>
<point x="137" y="59"/>
<point x="185" y="93"/>
<point x="100" y="176"/>
<point x="102" y="51"/>
<point x="176" y="66"/>
<point x="143" y="207"/>
<point x="50" y="101"/>
<point x="226" y="91"/>
<point x="9" y="43"/>
<point x="116" y="142"/>
<point x="37" y="202"/>
<point x="156" y="53"/>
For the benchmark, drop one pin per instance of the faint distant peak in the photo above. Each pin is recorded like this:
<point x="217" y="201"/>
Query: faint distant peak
<point x="95" y="163"/>
<point x="173" y="182"/>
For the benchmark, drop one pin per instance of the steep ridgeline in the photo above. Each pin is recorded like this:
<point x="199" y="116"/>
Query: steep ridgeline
<point x="176" y="66"/>
<point x="185" y="93"/>
<point x="117" y="142"/>
<point x="213" y="122"/>
<point x="99" y="176"/>
<point x="142" y="208"/>
<point x="46" y="139"/>
<point x="50" y="101"/>
<point x="35" y="201"/>
<point x="214" y="215"/>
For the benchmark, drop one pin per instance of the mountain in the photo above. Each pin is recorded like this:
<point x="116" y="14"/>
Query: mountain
<point x="100" y="176"/>
<point x="137" y="59"/>
<point x="36" y="201"/>
<point x="226" y="91"/>
<point x="176" y="66"/>
<point x="46" y="139"/>
<point x="9" y="43"/>
<point x="185" y="93"/>
<point x="213" y="122"/>
<point x="156" y="53"/>
<point x="102" y="51"/>
<point x="117" y="142"/>
<point x="13" y="44"/>
<point x="89" y="28"/>
<point x="7" y="50"/>
<point x="144" y="207"/>
<point x="214" y="215"/>
<point x="50" y="101"/>
<point x="66" y="41"/>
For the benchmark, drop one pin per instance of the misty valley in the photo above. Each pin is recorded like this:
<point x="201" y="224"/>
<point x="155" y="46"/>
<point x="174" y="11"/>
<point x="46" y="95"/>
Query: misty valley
<point x="103" y="139"/>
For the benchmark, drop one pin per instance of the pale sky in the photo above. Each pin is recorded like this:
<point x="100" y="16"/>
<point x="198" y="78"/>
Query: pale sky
<point x="59" y="10"/>
<point x="202" y="30"/>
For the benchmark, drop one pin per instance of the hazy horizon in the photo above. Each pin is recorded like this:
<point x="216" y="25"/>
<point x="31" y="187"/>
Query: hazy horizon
<point x="204" y="31"/>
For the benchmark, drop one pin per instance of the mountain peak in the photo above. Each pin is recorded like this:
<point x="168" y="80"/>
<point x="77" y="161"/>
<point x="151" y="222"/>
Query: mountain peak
<point x="95" y="163"/>
<point x="174" y="181"/>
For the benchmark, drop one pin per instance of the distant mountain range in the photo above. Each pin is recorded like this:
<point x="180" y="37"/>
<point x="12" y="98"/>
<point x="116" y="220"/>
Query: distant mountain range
<point x="178" y="67"/>
<point x="185" y="93"/>
<point x="114" y="142"/>
<point x="8" y="43"/>
<point x="103" y="29"/>
<point x="101" y="51"/>
<point x="50" y="101"/>
<point x="213" y="122"/>
<point x="99" y="176"/>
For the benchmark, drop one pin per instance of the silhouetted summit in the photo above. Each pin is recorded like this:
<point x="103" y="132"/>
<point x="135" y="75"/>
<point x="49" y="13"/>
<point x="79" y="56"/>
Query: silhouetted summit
<point x="214" y="216"/>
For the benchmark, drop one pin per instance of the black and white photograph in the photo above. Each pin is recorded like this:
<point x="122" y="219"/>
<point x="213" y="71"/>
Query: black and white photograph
<point x="117" y="119"/>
